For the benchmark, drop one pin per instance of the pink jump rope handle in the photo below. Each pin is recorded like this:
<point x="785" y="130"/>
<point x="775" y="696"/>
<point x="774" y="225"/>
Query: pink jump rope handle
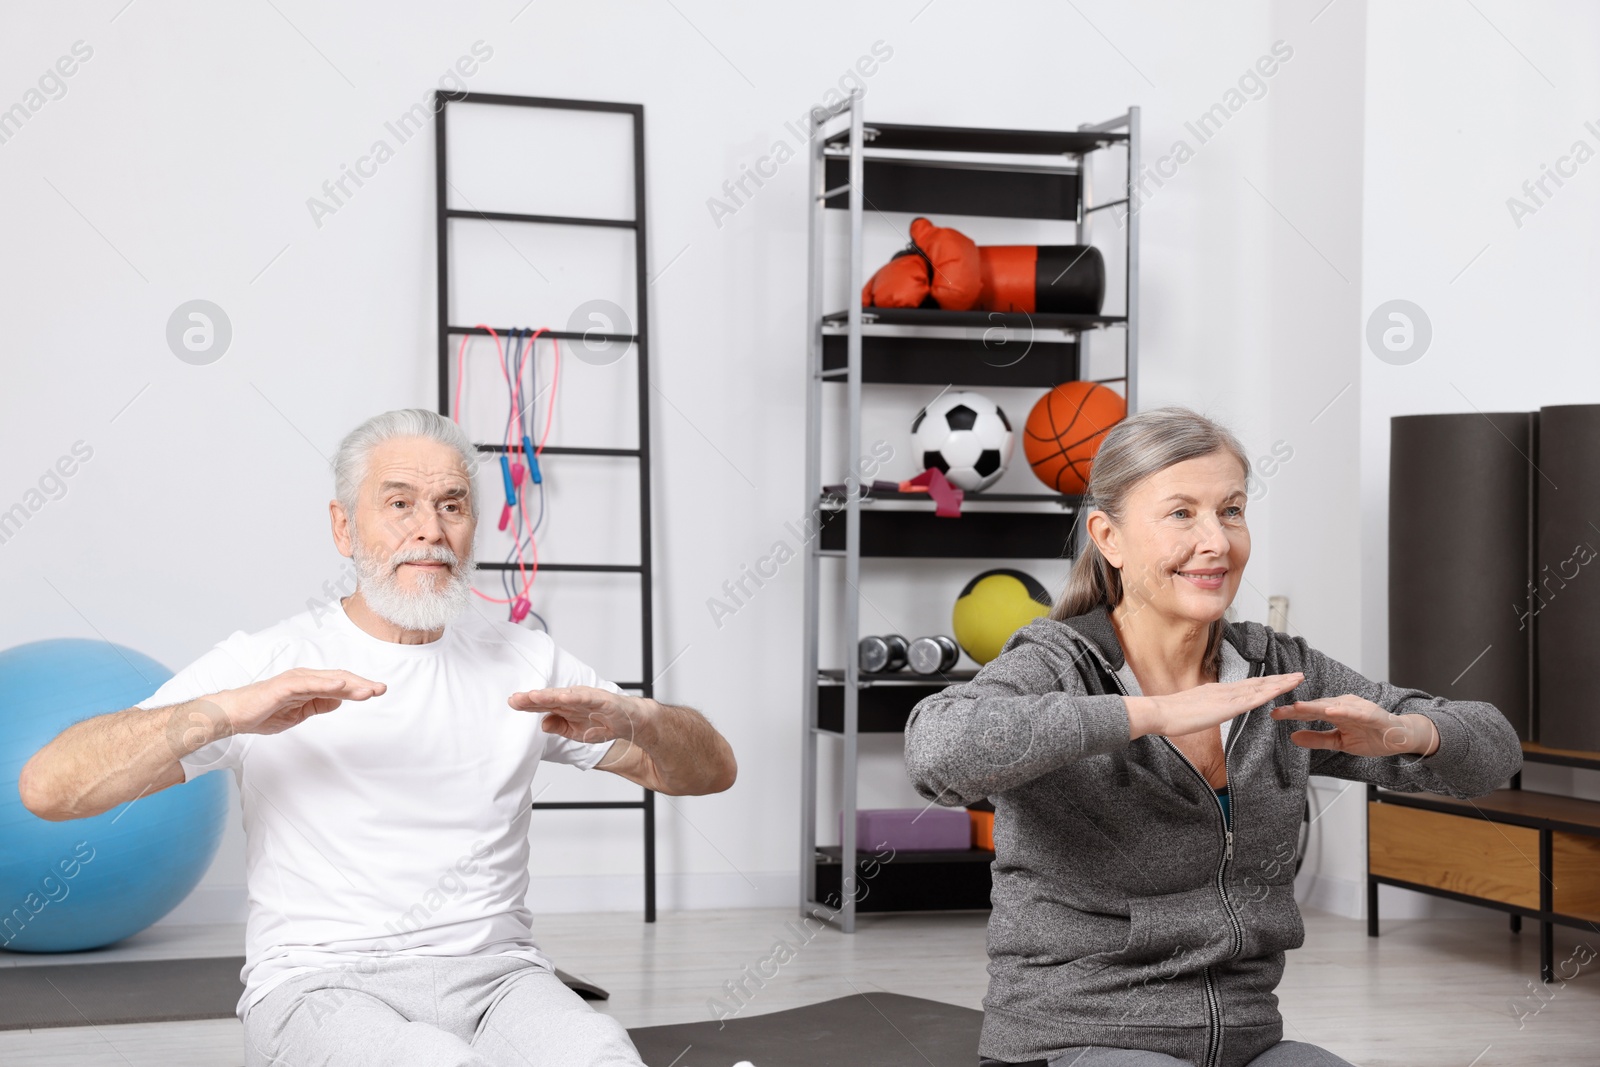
<point x="505" y="515"/>
<point x="520" y="608"/>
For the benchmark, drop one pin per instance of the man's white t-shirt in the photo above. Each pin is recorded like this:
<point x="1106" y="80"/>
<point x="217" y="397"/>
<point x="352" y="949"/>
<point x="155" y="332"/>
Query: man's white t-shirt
<point x="397" y="824"/>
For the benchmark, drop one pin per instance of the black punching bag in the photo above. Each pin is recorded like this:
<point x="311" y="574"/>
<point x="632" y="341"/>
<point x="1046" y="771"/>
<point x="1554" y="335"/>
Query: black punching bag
<point x="1566" y="583"/>
<point x="1460" y="558"/>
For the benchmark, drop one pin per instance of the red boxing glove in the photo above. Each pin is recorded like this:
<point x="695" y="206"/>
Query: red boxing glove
<point x="957" y="273"/>
<point x="900" y="283"/>
<point x="940" y="268"/>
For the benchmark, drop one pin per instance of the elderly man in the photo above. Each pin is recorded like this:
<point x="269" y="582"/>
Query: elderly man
<point x="385" y="753"/>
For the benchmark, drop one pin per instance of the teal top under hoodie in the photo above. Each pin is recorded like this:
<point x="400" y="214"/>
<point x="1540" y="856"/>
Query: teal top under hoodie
<point x="1127" y="912"/>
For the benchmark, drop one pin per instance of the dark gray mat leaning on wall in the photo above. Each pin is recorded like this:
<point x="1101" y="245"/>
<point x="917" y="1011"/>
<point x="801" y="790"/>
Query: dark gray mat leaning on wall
<point x="867" y="1030"/>
<point x="104" y="994"/>
<point x="1567" y="587"/>
<point x="1460" y="494"/>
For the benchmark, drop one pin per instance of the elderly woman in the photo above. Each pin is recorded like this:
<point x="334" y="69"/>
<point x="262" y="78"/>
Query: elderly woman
<point x="1147" y="760"/>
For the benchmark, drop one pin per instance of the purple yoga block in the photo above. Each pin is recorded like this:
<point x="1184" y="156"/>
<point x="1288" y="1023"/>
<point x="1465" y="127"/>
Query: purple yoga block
<point x="911" y="829"/>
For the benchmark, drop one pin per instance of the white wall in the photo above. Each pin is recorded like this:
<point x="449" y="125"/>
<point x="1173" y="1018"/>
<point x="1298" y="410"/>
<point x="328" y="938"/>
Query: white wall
<point x="179" y="163"/>
<point x="1312" y="204"/>
<point x="1463" y="107"/>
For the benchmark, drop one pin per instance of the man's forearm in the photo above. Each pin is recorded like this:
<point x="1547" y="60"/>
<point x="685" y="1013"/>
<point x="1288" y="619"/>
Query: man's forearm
<point x="98" y="763"/>
<point x="688" y="754"/>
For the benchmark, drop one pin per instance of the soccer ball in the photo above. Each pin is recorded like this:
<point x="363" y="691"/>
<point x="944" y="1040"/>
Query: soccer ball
<point x="966" y="437"/>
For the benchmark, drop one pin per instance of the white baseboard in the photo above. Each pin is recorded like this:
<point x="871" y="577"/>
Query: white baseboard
<point x="780" y="889"/>
<point x="564" y="894"/>
<point x="208" y="904"/>
<point x="674" y="892"/>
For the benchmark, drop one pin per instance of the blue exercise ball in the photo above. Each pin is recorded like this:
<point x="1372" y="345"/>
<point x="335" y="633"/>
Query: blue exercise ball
<point x="85" y="883"/>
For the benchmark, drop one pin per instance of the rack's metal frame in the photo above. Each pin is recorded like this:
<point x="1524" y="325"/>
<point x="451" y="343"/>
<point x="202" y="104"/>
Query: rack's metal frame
<point x="844" y="914"/>
<point x="443" y="213"/>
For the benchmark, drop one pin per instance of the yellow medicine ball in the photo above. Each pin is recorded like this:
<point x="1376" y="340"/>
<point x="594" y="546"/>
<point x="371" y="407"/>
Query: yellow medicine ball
<point x="993" y="606"/>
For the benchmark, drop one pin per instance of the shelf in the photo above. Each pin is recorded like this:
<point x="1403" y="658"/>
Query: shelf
<point x="937" y="681"/>
<point x="986" y="357"/>
<point x="1070" y="503"/>
<point x="834" y="854"/>
<point x="975" y="535"/>
<point x="903" y="137"/>
<point x="956" y="880"/>
<point x="923" y="187"/>
<point x="1561" y="757"/>
<point x="1534" y="855"/>
<point x="1518" y="807"/>
<point x="1537" y="914"/>
<point x="883" y="702"/>
<point x="1020" y="321"/>
<point x="945" y="173"/>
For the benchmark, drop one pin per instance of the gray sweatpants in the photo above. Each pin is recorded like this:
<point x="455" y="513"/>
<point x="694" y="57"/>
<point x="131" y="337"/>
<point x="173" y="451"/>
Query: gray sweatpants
<point x="1283" y="1054"/>
<point x="432" y="1011"/>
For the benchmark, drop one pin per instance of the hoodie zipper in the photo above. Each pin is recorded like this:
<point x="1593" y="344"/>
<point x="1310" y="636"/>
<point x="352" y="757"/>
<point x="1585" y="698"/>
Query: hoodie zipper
<point x="1213" y="1055"/>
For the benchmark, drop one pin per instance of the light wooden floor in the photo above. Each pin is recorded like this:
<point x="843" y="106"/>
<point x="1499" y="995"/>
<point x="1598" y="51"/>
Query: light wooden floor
<point x="1428" y="993"/>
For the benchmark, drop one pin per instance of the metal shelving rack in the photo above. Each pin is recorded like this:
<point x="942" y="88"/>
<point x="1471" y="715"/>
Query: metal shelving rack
<point x="640" y="340"/>
<point x="930" y="170"/>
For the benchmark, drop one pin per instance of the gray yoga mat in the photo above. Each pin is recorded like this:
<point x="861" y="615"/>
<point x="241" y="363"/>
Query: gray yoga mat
<point x="103" y="994"/>
<point x="138" y="991"/>
<point x="880" y="1029"/>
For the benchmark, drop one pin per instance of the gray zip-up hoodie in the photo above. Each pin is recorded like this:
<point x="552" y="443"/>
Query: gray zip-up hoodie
<point x="1125" y="911"/>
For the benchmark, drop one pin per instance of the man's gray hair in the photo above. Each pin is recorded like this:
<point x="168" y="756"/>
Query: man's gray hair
<point x="355" y="451"/>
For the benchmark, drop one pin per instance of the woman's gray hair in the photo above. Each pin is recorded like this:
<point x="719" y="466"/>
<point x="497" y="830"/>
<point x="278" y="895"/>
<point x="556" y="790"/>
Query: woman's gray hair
<point x="1133" y="449"/>
<point x="355" y="451"/>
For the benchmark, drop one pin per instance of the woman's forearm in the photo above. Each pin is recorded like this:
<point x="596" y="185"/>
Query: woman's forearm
<point x="1422" y="737"/>
<point x="1142" y="717"/>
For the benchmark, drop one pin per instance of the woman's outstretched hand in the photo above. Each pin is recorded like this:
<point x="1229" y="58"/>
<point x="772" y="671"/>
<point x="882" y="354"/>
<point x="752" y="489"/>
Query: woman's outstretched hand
<point x="1204" y="706"/>
<point x="1360" y="727"/>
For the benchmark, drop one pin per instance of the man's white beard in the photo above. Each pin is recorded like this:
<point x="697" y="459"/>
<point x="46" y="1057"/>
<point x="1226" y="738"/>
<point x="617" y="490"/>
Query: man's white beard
<point x="440" y="598"/>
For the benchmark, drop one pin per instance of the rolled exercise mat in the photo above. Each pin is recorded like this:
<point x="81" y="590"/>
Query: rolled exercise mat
<point x="911" y="829"/>
<point x="1064" y="279"/>
<point x="1565" y="597"/>
<point x="1459" y="558"/>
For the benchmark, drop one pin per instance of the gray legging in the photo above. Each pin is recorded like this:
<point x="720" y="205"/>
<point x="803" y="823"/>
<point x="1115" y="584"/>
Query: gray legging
<point x="1283" y="1054"/>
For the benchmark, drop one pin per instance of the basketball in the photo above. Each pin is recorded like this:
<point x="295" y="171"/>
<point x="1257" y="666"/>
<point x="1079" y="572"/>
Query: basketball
<point x="1064" y="431"/>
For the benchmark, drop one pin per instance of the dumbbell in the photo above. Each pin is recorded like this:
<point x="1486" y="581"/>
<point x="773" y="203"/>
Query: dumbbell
<point x="886" y="653"/>
<point x="933" y="655"/>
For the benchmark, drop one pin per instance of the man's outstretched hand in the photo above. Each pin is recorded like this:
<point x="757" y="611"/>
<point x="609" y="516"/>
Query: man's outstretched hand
<point x="1360" y="727"/>
<point x="585" y="713"/>
<point x="664" y="747"/>
<point x="275" y="704"/>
